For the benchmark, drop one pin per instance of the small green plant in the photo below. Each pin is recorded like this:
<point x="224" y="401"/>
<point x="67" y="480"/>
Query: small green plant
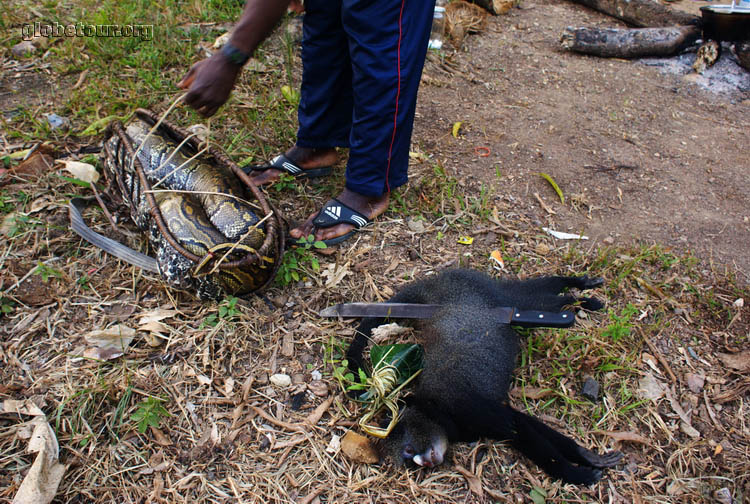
<point x="346" y="378"/>
<point x="227" y="311"/>
<point x="5" y="206"/>
<point x="399" y="204"/>
<point x="20" y="223"/>
<point x="117" y="419"/>
<point x="620" y="326"/>
<point x="23" y="198"/>
<point x="538" y="495"/>
<point x="285" y="182"/>
<point x="297" y="259"/>
<point x="480" y="205"/>
<point x="149" y="413"/>
<point x="92" y="160"/>
<point x="334" y="355"/>
<point x="47" y="272"/>
<point x="83" y="281"/>
<point x="438" y="195"/>
<point x="6" y="306"/>
<point x="209" y="321"/>
<point x="87" y="403"/>
<point x="290" y="95"/>
<point x="667" y="259"/>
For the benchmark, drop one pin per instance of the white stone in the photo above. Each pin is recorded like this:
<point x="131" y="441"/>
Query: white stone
<point x="281" y="380"/>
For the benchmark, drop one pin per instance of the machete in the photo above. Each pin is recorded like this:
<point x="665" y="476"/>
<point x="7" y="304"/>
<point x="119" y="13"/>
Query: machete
<point x="503" y="314"/>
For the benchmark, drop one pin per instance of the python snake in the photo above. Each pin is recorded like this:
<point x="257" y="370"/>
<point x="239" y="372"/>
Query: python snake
<point x="201" y="202"/>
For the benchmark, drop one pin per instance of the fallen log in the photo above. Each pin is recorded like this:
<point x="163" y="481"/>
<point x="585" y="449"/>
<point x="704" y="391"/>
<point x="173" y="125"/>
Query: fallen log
<point x="629" y="42"/>
<point x="641" y="13"/>
<point x="707" y="55"/>
<point x="742" y="51"/>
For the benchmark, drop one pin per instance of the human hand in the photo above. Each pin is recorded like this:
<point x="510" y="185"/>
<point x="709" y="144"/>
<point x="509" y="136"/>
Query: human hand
<point x="209" y="83"/>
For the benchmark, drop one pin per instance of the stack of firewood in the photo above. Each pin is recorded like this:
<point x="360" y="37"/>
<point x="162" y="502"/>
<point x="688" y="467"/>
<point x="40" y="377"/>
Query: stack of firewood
<point x="659" y="31"/>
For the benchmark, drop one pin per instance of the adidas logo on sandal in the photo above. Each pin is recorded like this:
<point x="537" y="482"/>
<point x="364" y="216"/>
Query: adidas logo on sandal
<point x="292" y="169"/>
<point x="334" y="212"/>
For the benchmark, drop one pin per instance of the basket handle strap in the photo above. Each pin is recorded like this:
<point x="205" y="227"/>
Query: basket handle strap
<point x="108" y="245"/>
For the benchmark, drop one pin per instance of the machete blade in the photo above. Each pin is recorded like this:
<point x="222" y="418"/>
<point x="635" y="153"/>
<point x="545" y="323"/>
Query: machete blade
<point x="503" y="314"/>
<point x="384" y="310"/>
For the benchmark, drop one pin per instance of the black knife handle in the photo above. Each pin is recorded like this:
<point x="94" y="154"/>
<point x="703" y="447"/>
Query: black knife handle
<point x="534" y="318"/>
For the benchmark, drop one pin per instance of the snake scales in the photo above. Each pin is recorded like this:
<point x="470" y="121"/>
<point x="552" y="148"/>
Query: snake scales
<point x="206" y="235"/>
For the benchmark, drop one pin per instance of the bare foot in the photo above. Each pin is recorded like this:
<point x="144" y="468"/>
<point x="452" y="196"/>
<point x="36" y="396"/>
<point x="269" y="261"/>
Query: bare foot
<point x="303" y="157"/>
<point x="368" y="206"/>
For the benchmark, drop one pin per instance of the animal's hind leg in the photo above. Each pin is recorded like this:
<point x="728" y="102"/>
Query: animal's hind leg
<point x="581" y="282"/>
<point x="571" y="450"/>
<point x="548" y="302"/>
<point x="531" y="439"/>
<point x="556" y="284"/>
<point x="542" y="293"/>
<point x="554" y="302"/>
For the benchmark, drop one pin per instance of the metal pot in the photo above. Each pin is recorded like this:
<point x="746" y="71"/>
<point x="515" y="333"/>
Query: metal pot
<point x="724" y="22"/>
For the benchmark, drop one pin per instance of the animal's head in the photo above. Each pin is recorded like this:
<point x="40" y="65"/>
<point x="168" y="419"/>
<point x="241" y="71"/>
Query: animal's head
<point x="416" y="438"/>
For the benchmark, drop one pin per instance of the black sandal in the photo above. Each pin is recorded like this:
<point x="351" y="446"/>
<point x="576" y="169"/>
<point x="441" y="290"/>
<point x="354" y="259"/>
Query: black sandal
<point x="335" y="212"/>
<point x="283" y="163"/>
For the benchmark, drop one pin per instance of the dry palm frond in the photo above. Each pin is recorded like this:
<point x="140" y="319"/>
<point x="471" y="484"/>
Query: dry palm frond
<point x="462" y="18"/>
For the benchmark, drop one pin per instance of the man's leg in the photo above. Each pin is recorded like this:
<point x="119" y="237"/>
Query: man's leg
<point x="387" y="43"/>
<point x="325" y="109"/>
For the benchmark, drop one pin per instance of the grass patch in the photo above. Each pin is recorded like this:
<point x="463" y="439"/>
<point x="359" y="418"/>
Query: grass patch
<point x="123" y="73"/>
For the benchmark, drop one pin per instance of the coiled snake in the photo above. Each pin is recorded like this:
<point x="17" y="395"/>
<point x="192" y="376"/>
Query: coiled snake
<point x="192" y="201"/>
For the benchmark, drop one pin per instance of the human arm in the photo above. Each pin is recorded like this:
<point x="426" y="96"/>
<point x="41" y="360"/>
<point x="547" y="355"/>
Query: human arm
<point x="210" y="81"/>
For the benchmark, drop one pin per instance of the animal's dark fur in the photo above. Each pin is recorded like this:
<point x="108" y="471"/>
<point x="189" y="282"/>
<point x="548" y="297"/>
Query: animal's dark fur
<point x="462" y="392"/>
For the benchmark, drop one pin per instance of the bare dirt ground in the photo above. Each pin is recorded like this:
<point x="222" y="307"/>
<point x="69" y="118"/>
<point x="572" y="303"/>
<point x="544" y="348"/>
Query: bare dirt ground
<point x="645" y="156"/>
<point x="651" y="166"/>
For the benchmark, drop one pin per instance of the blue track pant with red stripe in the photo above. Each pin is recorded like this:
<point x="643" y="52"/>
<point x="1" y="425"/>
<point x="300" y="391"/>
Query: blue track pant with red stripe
<point x="361" y="66"/>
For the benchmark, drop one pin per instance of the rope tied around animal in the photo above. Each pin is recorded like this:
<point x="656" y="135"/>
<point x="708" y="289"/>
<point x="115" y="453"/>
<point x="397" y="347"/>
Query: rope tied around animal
<point x="382" y="385"/>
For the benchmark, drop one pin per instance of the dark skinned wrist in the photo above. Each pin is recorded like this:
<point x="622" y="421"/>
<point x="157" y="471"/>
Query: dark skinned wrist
<point x="227" y="65"/>
<point x="234" y="55"/>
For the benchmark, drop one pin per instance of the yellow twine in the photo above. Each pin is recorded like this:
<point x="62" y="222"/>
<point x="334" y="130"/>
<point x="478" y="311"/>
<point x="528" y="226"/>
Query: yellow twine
<point x="210" y="255"/>
<point x="381" y="383"/>
<point x="384" y="379"/>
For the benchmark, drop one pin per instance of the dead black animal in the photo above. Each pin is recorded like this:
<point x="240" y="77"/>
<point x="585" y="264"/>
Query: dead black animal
<point x="469" y="358"/>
